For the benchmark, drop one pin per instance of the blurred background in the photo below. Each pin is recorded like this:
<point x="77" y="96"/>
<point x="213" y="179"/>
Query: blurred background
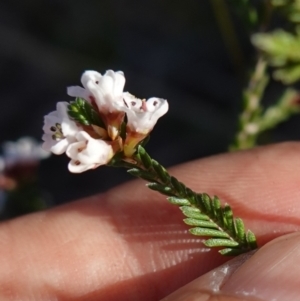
<point x="196" y="54"/>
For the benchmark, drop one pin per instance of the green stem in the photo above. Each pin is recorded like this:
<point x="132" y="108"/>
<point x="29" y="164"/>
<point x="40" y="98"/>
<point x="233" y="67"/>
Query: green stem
<point x="252" y="95"/>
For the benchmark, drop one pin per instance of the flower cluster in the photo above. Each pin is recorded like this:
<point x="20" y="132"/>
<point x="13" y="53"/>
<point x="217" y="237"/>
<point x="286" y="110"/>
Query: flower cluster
<point x="102" y="122"/>
<point x="19" y="162"/>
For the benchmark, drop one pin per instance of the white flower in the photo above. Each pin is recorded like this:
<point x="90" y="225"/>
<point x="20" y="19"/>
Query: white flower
<point x="106" y="90"/>
<point x="59" y="130"/>
<point x="142" y="115"/>
<point x="88" y="153"/>
<point x="24" y="150"/>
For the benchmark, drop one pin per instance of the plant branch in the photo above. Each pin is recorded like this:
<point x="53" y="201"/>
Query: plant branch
<point x="204" y="213"/>
<point x="248" y="129"/>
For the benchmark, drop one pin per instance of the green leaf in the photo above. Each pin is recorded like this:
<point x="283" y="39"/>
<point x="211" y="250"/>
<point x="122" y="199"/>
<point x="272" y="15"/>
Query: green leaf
<point x="140" y="174"/>
<point x="251" y="239"/>
<point x="210" y="232"/>
<point x="218" y="242"/>
<point x="288" y="75"/>
<point x="178" y="201"/>
<point x="206" y="200"/>
<point x="145" y="158"/>
<point x="231" y="251"/>
<point x="78" y="117"/>
<point x="178" y="186"/>
<point x="279" y="46"/>
<point x="240" y="228"/>
<point x="83" y="112"/>
<point x="228" y="218"/>
<point x="161" y="188"/>
<point x="193" y="212"/>
<point x="161" y="172"/>
<point x="281" y="49"/>
<point x="191" y="195"/>
<point x="200" y="223"/>
<point x="217" y="209"/>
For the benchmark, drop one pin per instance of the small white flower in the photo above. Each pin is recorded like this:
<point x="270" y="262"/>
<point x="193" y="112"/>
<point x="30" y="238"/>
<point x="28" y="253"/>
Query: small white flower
<point x="88" y="153"/>
<point x="24" y="150"/>
<point x="59" y="130"/>
<point x="106" y="90"/>
<point x="142" y="115"/>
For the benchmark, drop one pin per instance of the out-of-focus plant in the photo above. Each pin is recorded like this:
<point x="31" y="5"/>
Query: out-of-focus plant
<point x="19" y="163"/>
<point x="277" y="54"/>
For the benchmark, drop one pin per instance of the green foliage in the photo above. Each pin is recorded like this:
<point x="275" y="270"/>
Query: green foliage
<point x="83" y="112"/>
<point x="281" y="49"/>
<point x="290" y="8"/>
<point x="206" y="215"/>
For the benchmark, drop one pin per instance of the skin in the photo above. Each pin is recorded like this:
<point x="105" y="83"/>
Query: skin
<point x="131" y="244"/>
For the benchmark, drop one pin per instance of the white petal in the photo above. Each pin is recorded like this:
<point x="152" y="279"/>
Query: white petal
<point x="88" y="152"/>
<point x="68" y="130"/>
<point x="69" y="127"/>
<point x="143" y="121"/>
<point x="72" y="150"/>
<point x="157" y="104"/>
<point x="74" y="167"/>
<point x="90" y="75"/>
<point x="132" y="102"/>
<point x="106" y="85"/>
<point x="77" y="91"/>
<point x="50" y="120"/>
<point x="118" y="80"/>
<point x="59" y="147"/>
<point x="62" y="109"/>
<point x="107" y="89"/>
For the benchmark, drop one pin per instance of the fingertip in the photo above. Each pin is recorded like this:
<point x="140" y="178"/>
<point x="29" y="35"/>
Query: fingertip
<point x="271" y="273"/>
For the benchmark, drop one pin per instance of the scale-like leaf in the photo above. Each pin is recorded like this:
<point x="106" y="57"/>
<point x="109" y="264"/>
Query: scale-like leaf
<point x="141" y="174"/>
<point x="178" y="201"/>
<point x="200" y="223"/>
<point x="231" y="251"/>
<point x="206" y="200"/>
<point x="83" y="112"/>
<point x="193" y="212"/>
<point x="161" y="188"/>
<point x="240" y="228"/>
<point x="179" y="187"/>
<point x="209" y="232"/>
<point x="228" y="218"/>
<point x="251" y="240"/>
<point x="218" y="242"/>
<point x="146" y="159"/>
<point x="161" y="172"/>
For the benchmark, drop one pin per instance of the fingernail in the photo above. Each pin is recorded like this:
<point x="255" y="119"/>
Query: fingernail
<point x="271" y="274"/>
